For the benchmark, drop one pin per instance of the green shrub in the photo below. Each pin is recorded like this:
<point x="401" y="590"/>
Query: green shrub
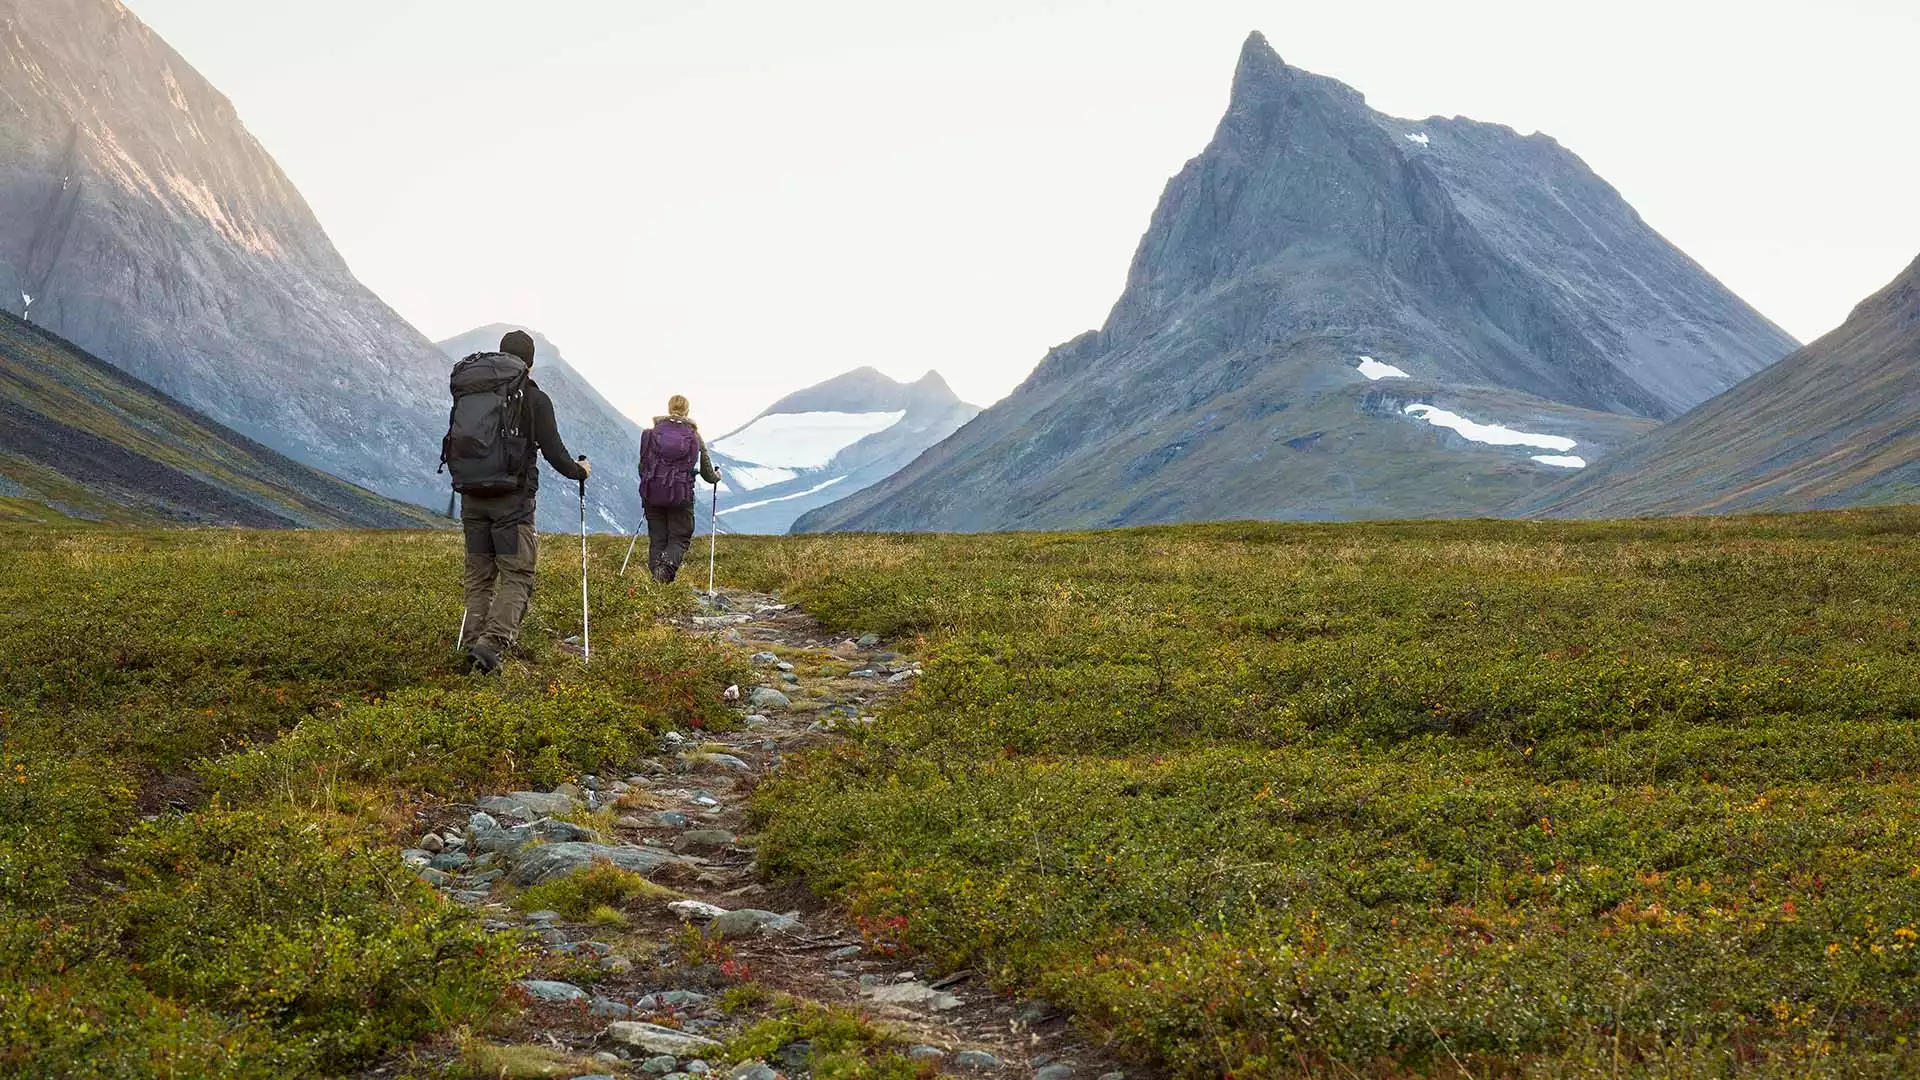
<point x="305" y="925"/>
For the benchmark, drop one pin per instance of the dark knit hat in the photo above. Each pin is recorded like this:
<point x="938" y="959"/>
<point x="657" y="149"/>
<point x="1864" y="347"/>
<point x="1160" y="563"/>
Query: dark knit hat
<point x="519" y="343"/>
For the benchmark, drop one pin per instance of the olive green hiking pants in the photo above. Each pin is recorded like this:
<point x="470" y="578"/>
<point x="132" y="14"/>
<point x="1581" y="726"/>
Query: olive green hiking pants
<point x="502" y="548"/>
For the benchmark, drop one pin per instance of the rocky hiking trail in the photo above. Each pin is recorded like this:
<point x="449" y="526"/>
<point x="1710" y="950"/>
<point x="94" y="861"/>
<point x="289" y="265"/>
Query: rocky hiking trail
<point x="644" y="998"/>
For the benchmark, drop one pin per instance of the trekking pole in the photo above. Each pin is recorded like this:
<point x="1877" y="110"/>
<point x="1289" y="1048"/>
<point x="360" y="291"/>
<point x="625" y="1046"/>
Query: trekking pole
<point x="586" y="628"/>
<point x="713" y="536"/>
<point x="629" y="558"/>
<point x="460" y="642"/>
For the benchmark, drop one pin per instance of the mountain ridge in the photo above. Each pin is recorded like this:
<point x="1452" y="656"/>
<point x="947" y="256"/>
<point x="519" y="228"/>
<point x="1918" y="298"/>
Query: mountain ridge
<point x="1834" y="425"/>
<point x="826" y="441"/>
<point x="87" y="440"/>
<point x="1310" y="236"/>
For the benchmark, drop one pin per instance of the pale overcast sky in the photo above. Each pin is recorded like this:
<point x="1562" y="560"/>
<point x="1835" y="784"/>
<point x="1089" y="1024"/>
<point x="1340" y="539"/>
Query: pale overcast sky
<point x="734" y="200"/>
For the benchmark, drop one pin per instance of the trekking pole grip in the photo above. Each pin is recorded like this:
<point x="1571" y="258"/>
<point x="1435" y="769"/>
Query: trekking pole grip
<point x="583" y="480"/>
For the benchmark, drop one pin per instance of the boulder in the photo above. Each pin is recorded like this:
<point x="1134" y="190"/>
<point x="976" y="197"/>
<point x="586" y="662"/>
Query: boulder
<point x="551" y="862"/>
<point x="655" y="1039"/>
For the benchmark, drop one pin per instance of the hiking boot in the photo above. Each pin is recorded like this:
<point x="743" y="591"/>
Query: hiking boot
<point x="485" y="659"/>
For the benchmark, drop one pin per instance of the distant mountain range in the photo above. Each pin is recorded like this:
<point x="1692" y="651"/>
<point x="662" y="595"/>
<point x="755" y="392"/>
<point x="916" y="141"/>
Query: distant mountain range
<point x="1836" y="424"/>
<point x="589" y="423"/>
<point x="81" y="439"/>
<point x="827" y="442"/>
<point x="1339" y="314"/>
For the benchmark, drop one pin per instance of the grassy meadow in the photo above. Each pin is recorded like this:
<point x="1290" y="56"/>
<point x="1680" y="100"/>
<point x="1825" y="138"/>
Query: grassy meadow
<point x="1466" y="798"/>
<point x="211" y="745"/>
<point x="1474" y="799"/>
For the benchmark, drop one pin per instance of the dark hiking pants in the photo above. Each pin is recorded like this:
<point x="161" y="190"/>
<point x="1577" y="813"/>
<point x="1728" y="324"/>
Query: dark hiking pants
<point x="669" y="532"/>
<point x="501" y="549"/>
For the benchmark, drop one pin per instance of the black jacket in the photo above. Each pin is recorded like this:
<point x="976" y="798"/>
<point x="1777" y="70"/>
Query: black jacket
<point x="546" y="436"/>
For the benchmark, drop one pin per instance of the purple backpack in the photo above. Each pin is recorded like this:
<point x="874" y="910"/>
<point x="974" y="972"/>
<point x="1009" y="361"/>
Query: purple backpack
<point x="673" y="454"/>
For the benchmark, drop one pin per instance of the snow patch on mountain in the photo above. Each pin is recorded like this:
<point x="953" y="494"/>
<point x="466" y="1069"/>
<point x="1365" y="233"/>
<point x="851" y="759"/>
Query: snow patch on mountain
<point x="1375" y="370"/>
<point x="815" y="490"/>
<point x="1491" y="434"/>
<point x="806" y="440"/>
<point x="1561" y="461"/>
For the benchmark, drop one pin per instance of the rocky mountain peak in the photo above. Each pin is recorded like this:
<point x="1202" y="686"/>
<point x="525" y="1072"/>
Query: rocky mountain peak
<point x="1311" y="249"/>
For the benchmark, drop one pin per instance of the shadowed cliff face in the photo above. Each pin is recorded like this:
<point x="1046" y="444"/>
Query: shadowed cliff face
<point x="148" y="227"/>
<point x="1835" y="425"/>
<point x="1503" y="278"/>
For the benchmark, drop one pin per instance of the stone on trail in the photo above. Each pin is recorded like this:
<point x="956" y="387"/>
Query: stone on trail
<point x="704" y="840"/>
<point x="766" y="697"/>
<point x="502" y="841"/>
<point x="752" y="1070"/>
<point x="696" y="909"/>
<point x="845" y="952"/>
<point x="747" y="922"/>
<point x="656" y="1039"/>
<point x="551" y="862"/>
<point x="766" y="658"/>
<point x="609" y="1009"/>
<point x="977" y="1060"/>
<point x="439" y="879"/>
<point x="1056" y="1072"/>
<point x="913" y="994"/>
<point x="561" y="831"/>
<point x="480" y="821"/>
<point x="660" y="1065"/>
<point x="712" y="762"/>
<point x="670" y="999"/>
<point x="547" y="990"/>
<point x="532" y="804"/>
<point x="432" y="843"/>
<point x="868" y="641"/>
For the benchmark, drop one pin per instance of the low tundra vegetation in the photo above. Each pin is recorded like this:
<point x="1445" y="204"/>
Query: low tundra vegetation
<point x="211" y="746"/>
<point x="1464" y="799"/>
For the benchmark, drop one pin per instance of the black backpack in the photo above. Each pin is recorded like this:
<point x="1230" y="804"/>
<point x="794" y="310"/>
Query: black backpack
<point x="489" y="441"/>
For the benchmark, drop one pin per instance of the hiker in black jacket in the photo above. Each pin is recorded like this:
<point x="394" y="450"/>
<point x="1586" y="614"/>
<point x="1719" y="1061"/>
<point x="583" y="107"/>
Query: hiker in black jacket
<point x="501" y="543"/>
<point x="671" y="452"/>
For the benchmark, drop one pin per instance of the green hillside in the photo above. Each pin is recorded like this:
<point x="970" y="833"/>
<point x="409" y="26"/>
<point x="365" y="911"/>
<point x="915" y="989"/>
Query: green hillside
<point x="81" y="439"/>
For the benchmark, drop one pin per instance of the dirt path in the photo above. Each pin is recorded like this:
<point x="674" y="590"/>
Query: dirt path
<point x="622" y="995"/>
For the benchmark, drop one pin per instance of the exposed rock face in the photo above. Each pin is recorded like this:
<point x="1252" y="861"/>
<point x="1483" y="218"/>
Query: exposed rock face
<point x="1836" y="424"/>
<point x="1505" y="281"/>
<point x="91" y="441"/>
<point x="590" y="425"/>
<point x="828" y="441"/>
<point x="140" y="220"/>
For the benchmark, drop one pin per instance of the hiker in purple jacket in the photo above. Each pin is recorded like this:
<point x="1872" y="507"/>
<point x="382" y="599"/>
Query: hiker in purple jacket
<point x="671" y="453"/>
